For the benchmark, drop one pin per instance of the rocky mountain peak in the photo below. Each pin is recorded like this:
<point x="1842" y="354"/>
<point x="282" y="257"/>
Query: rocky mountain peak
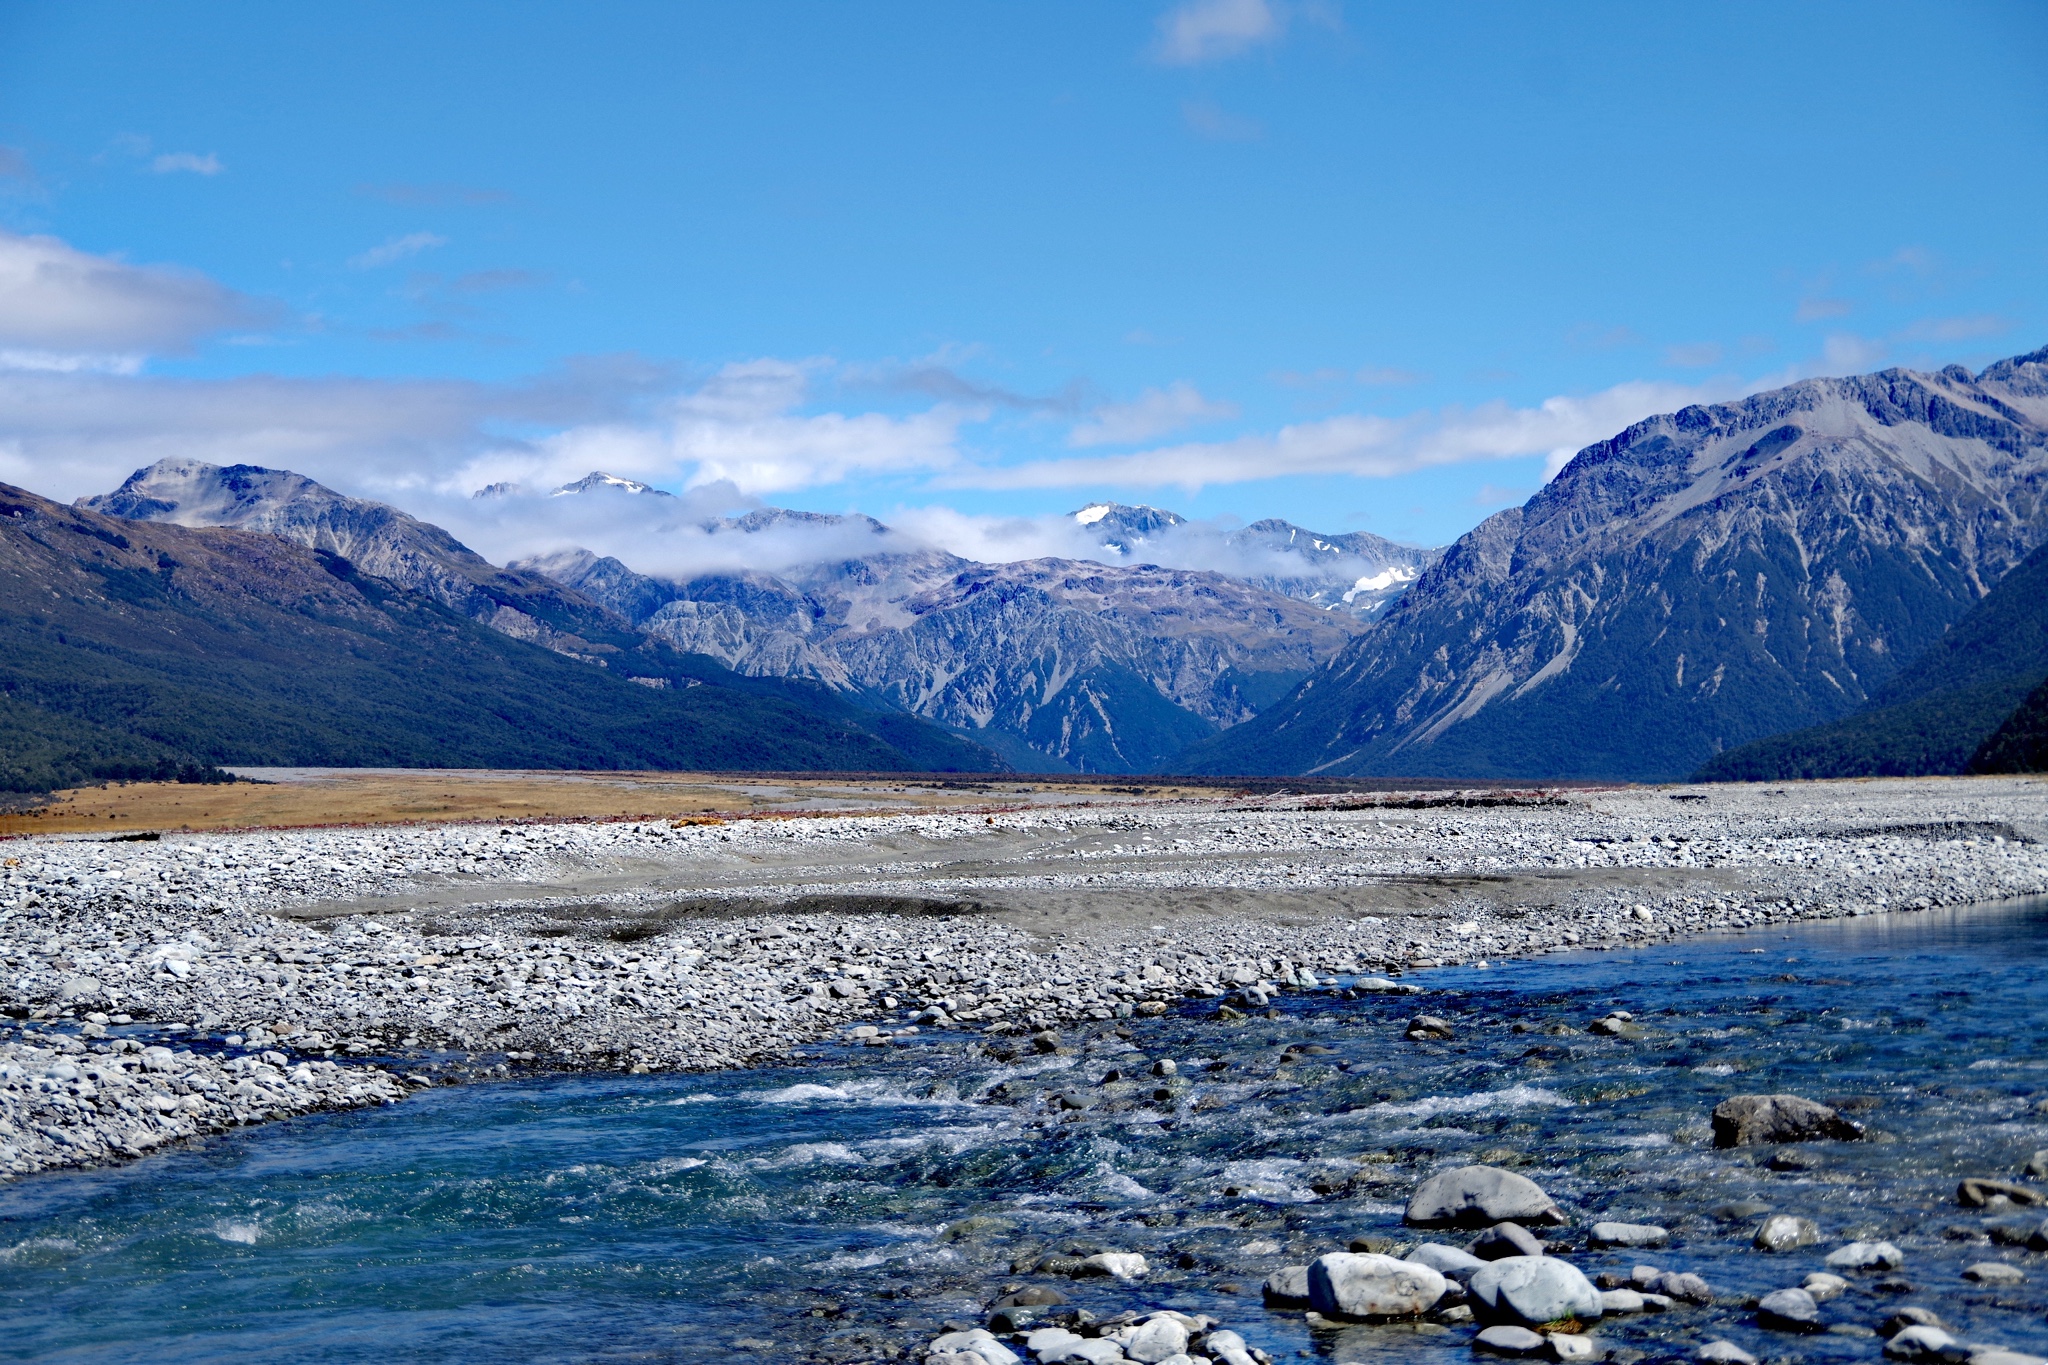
<point x="597" y="481"/>
<point x="1704" y="578"/>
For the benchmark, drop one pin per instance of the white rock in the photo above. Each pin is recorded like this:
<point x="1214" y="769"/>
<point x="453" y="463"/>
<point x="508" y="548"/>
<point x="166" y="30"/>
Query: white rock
<point x="1050" y="1343"/>
<point x="1925" y="1344"/>
<point x="1155" y="1340"/>
<point x="1531" y="1290"/>
<point x="1124" y="1265"/>
<point x="1629" y="1235"/>
<point x="1866" y="1256"/>
<point x="1571" y="1346"/>
<point x="1364" y="1285"/>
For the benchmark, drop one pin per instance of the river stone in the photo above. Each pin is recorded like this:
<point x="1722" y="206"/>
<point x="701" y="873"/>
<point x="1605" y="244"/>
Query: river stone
<point x="1287" y="1287"/>
<point x="1994" y="1272"/>
<point x="1155" y="1340"/>
<point x="1532" y="1290"/>
<point x="1449" y="1262"/>
<point x="1425" y="1027"/>
<point x="2037" y="1164"/>
<point x="1927" y="1344"/>
<point x="1364" y="1285"/>
<point x="1124" y="1265"/>
<point x="1480" y="1196"/>
<point x="1977" y="1193"/>
<point x="1616" y="1302"/>
<point x="1723" y="1353"/>
<point x="1684" y="1286"/>
<point x="1051" y="1343"/>
<point x="981" y="1342"/>
<point x="1823" y="1286"/>
<point x="78" y="988"/>
<point x="1227" y="1347"/>
<point x="1761" y="1120"/>
<point x="1571" y="1346"/>
<point x="1994" y="1355"/>
<point x="1097" y="1351"/>
<point x="1789" y="1310"/>
<point x="1629" y="1235"/>
<point x="1506" y="1340"/>
<point x="1032" y="1296"/>
<point x="1866" y="1256"/>
<point x="1910" y="1316"/>
<point x="1506" y="1239"/>
<point x="1783" y="1232"/>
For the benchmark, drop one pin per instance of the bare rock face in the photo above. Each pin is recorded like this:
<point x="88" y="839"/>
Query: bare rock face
<point x="1479" y="1197"/>
<point x="1764" y="1120"/>
<point x="1102" y="668"/>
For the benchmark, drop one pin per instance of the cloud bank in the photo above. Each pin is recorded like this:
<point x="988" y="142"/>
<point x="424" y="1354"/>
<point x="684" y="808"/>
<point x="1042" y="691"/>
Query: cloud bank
<point x="57" y="299"/>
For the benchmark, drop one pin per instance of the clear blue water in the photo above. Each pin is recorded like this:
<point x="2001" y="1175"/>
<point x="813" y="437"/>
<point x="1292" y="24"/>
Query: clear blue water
<point x="665" y="1218"/>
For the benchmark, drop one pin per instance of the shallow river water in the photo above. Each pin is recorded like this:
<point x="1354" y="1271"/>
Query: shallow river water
<point x="850" y="1206"/>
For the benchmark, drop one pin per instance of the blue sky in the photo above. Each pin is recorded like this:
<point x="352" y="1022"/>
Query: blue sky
<point x="1362" y="266"/>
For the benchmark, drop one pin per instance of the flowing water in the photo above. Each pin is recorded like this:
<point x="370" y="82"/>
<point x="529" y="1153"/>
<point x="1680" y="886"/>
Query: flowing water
<point x="843" y="1208"/>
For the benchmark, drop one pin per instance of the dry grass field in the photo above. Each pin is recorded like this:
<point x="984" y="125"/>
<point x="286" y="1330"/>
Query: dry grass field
<point x="288" y="798"/>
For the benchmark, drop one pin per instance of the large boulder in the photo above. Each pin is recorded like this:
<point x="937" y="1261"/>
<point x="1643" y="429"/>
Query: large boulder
<point x="1479" y="1197"/>
<point x="1528" y="1291"/>
<point x="1761" y="1120"/>
<point x="1364" y="1285"/>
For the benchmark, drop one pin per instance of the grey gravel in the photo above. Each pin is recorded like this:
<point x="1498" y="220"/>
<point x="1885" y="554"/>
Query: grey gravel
<point x="270" y="965"/>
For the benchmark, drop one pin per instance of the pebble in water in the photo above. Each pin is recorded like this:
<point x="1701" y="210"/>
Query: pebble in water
<point x="1762" y="1120"/>
<point x="1785" y="1232"/>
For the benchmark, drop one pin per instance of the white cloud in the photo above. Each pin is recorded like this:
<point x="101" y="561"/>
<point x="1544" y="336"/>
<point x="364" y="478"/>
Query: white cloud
<point x="72" y="362"/>
<point x="1154" y="413"/>
<point x="170" y="163"/>
<point x="397" y="249"/>
<point x="1197" y="32"/>
<point x="742" y="427"/>
<point x="57" y="299"/>
<point x="1360" y="446"/>
<point x="64" y="434"/>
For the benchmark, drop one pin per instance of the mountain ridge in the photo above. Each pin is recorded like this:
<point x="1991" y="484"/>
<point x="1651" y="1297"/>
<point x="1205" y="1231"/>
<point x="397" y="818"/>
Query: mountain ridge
<point x="145" y="645"/>
<point x="1699" y="580"/>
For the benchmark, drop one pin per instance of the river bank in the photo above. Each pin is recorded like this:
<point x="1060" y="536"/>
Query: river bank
<point x="258" y="965"/>
<point x="860" y="1204"/>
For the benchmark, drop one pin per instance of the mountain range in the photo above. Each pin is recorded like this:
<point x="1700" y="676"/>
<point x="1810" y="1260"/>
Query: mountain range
<point x="136" y="648"/>
<point x="1828" y="577"/>
<point x="1701" y="580"/>
<point x="1054" y="664"/>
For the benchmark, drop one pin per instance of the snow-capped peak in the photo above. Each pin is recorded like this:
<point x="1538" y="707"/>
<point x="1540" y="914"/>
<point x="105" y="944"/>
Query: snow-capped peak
<point x="597" y="478"/>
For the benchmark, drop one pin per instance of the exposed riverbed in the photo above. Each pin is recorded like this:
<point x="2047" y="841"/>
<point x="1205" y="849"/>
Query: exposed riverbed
<point x="851" y="1204"/>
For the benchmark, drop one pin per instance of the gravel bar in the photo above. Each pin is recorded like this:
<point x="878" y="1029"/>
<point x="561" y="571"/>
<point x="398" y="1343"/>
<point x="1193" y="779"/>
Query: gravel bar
<point x="168" y="987"/>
